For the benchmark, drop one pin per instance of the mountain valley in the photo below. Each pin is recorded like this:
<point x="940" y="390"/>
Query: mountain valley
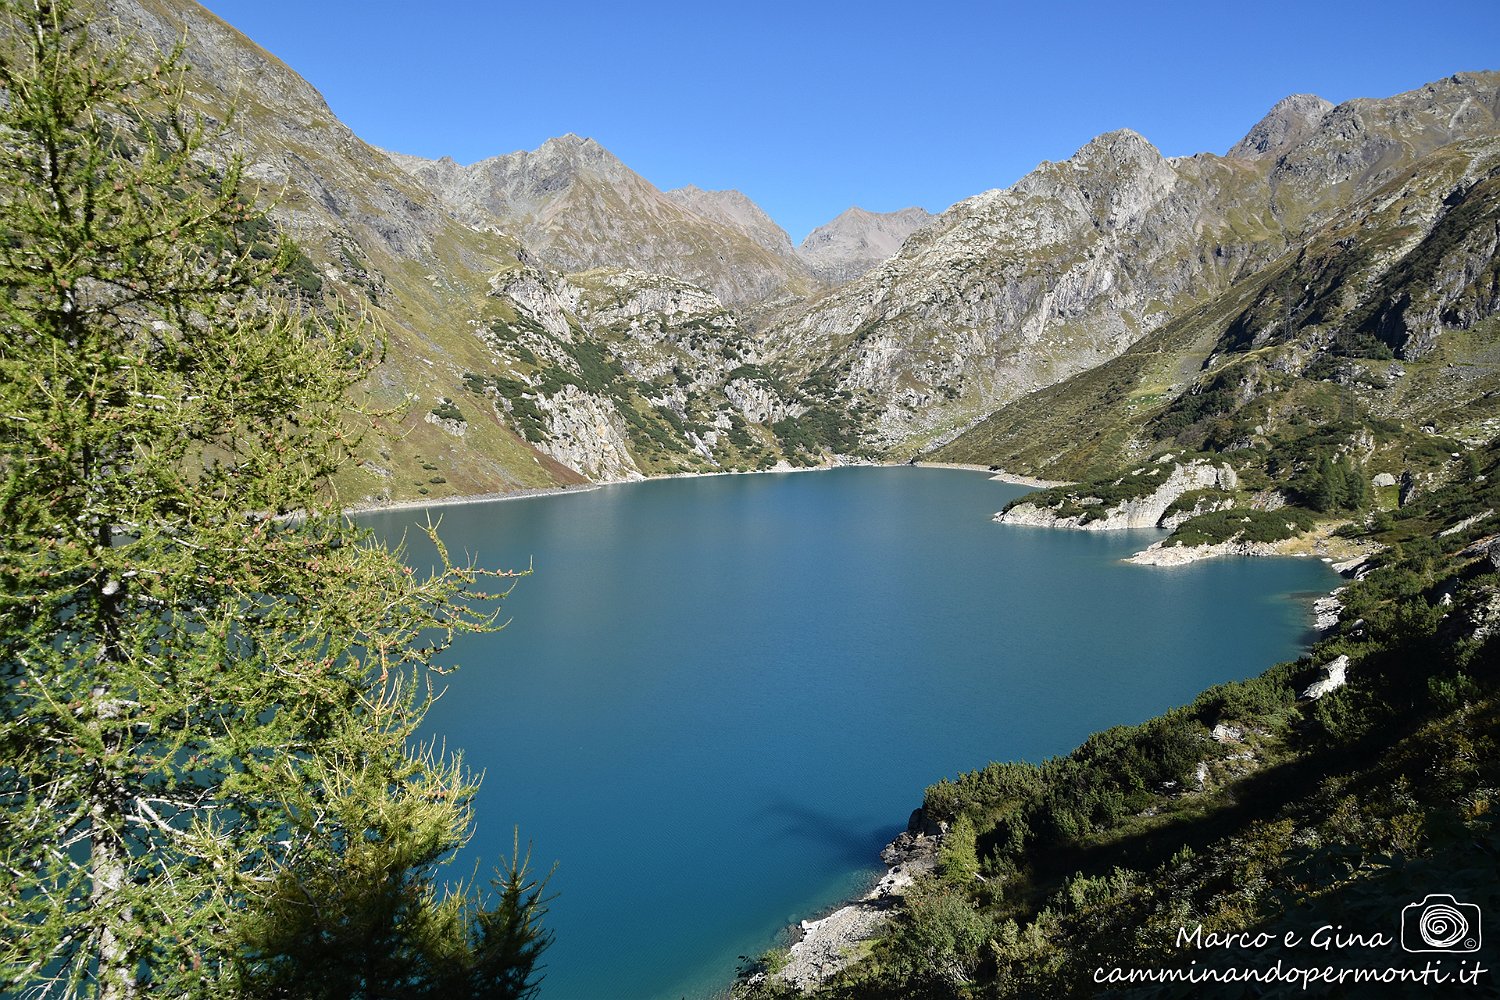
<point x="1288" y="348"/>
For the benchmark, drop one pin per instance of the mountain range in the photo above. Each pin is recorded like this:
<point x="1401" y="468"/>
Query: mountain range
<point x="555" y="318"/>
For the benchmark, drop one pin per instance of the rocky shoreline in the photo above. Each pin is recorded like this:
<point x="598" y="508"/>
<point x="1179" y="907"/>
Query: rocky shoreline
<point x="1347" y="558"/>
<point x="820" y="948"/>
<point x="368" y="506"/>
<point x="459" y="501"/>
<point x="1161" y="554"/>
<point x="998" y="475"/>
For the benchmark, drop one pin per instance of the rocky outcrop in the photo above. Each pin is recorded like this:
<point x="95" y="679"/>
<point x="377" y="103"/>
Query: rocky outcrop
<point x="1146" y="511"/>
<point x="587" y="433"/>
<point x="1326" y="610"/>
<point x="1335" y="676"/>
<point x="1478" y="618"/>
<point x="608" y="298"/>
<point x="535" y="295"/>
<point x="1178" y="515"/>
<point x="1163" y="554"/>
<point x="1466" y="523"/>
<point x="456" y="427"/>
<point x="757" y="400"/>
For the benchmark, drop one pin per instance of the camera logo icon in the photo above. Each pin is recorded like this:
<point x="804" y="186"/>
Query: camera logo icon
<point x="1440" y="923"/>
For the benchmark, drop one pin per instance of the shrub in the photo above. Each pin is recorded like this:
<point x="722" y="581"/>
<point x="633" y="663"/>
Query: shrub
<point x="448" y="410"/>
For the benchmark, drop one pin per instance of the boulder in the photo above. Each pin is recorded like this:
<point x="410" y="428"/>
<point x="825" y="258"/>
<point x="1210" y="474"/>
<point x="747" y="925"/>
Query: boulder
<point x="1336" y="672"/>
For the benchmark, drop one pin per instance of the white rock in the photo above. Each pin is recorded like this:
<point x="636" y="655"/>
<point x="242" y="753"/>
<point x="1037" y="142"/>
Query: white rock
<point x="1467" y="522"/>
<point x="1337" y="671"/>
<point x="1143" y="512"/>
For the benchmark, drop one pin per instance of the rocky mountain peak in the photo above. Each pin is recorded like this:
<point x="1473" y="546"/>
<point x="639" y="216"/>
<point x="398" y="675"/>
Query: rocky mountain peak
<point x="1114" y="179"/>
<point x="1285" y="125"/>
<point x="1121" y="151"/>
<point x="857" y="239"/>
<point x="582" y="150"/>
<point x="554" y="165"/>
<point x="578" y="207"/>
<point x="732" y="208"/>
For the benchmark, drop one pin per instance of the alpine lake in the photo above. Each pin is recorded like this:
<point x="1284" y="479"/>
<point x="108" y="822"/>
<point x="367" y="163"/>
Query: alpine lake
<point x="718" y="697"/>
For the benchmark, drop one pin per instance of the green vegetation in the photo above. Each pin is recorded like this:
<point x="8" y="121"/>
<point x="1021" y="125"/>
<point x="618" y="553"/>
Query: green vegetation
<point x="1243" y="525"/>
<point x="833" y="418"/>
<point x="1337" y="485"/>
<point x="210" y="679"/>
<point x="519" y="400"/>
<point x="446" y="409"/>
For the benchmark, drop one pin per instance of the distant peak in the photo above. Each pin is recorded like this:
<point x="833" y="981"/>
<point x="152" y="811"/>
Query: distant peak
<point x="857" y="239"/>
<point x="572" y="144"/>
<point x="1119" y="140"/>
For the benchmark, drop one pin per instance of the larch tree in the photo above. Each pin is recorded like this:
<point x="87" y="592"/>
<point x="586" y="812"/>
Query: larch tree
<point x="210" y="679"/>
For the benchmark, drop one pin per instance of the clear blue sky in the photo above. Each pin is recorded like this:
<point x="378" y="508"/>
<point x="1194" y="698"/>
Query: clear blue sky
<point x="810" y="107"/>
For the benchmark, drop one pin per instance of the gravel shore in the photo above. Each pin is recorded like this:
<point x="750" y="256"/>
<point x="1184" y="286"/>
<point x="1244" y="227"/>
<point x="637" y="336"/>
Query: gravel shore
<point x="823" y="947"/>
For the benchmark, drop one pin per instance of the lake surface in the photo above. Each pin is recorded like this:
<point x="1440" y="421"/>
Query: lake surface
<point x="719" y="697"/>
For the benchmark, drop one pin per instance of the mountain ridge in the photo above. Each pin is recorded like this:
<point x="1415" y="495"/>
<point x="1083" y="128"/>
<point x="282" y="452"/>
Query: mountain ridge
<point x="579" y="207"/>
<point x="1002" y="294"/>
<point x="1015" y="289"/>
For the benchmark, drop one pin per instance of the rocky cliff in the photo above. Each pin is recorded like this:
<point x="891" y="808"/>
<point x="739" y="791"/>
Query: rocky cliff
<point x="1148" y="497"/>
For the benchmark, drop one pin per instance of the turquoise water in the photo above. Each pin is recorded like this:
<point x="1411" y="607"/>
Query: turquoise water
<point x="719" y="697"/>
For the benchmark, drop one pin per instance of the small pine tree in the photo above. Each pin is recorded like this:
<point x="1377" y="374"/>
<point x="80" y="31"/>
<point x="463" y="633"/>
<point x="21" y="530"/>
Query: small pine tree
<point x="1356" y="487"/>
<point x="1328" y="486"/>
<point x="958" y="860"/>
